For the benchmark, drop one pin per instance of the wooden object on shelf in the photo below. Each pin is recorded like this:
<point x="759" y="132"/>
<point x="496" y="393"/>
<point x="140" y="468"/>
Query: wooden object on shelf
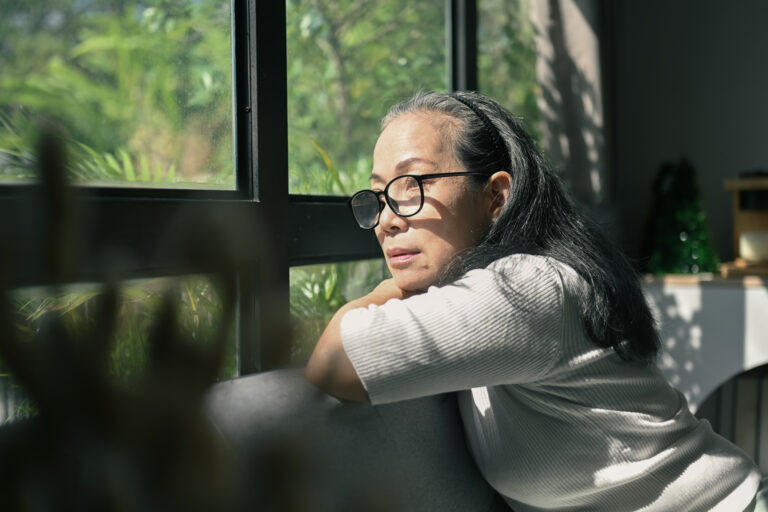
<point x="741" y="268"/>
<point x="748" y="222"/>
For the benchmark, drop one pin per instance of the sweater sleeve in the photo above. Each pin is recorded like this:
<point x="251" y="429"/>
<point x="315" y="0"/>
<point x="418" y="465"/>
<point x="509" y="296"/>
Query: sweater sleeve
<point x="497" y="325"/>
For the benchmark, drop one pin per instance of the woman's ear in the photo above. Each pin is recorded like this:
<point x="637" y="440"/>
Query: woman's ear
<point x="498" y="190"/>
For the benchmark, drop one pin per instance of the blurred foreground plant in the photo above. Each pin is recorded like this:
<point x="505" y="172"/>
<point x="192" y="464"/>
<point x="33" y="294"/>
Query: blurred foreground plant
<point x="95" y="444"/>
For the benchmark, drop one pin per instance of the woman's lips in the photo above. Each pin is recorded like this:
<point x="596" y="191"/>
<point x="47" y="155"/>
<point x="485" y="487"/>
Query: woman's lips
<point x="401" y="257"/>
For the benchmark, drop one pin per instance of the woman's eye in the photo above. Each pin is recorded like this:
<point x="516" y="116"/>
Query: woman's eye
<point x="427" y="184"/>
<point x="412" y="183"/>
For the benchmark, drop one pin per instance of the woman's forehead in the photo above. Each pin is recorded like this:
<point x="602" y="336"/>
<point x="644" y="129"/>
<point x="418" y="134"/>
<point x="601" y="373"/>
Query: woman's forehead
<point x="418" y="119"/>
<point x="412" y="140"/>
<point x="406" y="166"/>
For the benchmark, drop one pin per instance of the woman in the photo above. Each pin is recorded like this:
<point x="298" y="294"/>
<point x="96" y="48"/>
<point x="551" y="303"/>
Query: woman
<point x="502" y="291"/>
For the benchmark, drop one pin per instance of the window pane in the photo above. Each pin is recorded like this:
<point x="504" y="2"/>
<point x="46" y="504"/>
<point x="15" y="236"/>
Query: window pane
<point x="199" y="318"/>
<point x="506" y="58"/>
<point x="348" y="62"/>
<point x="141" y="90"/>
<point x="318" y="291"/>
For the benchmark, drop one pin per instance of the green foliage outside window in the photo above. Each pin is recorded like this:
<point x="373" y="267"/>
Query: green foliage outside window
<point x="318" y="291"/>
<point x="507" y="57"/>
<point x="199" y="317"/>
<point x="142" y="89"/>
<point x="348" y="62"/>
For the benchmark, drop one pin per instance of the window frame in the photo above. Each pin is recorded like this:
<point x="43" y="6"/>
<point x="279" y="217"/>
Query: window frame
<point x="302" y="229"/>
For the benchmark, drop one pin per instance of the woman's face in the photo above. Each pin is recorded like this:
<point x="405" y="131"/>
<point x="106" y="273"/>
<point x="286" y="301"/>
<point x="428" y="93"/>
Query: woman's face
<point x="455" y="214"/>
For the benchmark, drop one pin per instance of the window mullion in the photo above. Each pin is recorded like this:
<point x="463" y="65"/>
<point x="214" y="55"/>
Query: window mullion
<point x="323" y="231"/>
<point x="243" y="50"/>
<point x="265" y="294"/>
<point x="462" y="44"/>
<point x="114" y="238"/>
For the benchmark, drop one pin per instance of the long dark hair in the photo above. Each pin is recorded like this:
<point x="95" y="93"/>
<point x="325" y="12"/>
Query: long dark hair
<point x="540" y="218"/>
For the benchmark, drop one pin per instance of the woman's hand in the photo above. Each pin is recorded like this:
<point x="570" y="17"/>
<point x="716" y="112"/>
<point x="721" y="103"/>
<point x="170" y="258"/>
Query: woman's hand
<point x="384" y="291"/>
<point x="329" y="368"/>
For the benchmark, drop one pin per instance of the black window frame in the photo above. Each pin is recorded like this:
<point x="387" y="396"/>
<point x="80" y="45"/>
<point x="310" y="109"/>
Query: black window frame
<point x="302" y="229"/>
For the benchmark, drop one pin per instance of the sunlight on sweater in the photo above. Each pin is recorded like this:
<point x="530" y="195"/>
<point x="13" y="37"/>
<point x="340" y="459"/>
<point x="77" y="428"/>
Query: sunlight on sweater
<point x="625" y="471"/>
<point x="481" y="400"/>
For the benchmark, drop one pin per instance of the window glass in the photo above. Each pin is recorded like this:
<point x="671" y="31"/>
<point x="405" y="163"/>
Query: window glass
<point x="506" y="58"/>
<point x="140" y="89"/>
<point x="318" y="291"/>
<point x="348" y="62"/>
<point x="199" y="317"/>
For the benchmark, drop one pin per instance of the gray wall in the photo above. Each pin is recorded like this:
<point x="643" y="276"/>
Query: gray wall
<point x="690" y="79"/>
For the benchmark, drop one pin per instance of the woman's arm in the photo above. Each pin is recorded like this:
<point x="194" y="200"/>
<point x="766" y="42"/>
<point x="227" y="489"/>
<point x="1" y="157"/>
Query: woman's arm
<point x="329" y="368"/>
<point x="497" y="325"/>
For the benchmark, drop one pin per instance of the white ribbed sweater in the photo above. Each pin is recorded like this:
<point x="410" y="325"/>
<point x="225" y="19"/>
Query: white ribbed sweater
<point x="553" y="421"/>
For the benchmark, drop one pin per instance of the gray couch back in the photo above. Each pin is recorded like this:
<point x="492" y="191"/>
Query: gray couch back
<point x="304" y="450"/>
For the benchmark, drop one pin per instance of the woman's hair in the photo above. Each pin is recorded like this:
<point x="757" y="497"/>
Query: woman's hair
<point x="540" y="218"/>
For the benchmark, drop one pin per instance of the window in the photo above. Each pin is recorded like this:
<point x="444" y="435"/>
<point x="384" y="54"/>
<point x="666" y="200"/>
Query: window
<point x="143" y="94"/>
<point x="244" y="179"/>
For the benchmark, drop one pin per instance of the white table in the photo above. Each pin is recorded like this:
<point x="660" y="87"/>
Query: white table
<point x="711" y="329"/>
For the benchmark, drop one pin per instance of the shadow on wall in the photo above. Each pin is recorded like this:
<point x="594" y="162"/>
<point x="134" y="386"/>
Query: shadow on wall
<point x="704" y="334"/>
<point x="571" y="101"/>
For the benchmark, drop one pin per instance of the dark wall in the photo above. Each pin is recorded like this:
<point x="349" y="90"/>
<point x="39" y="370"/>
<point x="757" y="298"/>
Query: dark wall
<point x="690" y="79"/>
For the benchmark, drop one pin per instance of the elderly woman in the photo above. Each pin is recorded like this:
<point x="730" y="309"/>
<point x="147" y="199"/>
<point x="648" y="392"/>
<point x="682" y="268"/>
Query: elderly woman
<point x="503" y="292"/>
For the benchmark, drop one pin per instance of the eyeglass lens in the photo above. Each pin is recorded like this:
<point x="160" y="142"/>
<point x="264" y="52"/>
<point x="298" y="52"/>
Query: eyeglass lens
<point x="366" y="208"/>
<point x="404" y="196"/>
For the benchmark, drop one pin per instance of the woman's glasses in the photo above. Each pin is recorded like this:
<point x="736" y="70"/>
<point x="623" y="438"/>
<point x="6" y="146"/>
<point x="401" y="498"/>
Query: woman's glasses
<point x="404" y="195"/>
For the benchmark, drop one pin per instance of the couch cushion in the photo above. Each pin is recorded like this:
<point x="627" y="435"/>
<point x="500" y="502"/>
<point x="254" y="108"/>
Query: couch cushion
<point x="302" y="448"/>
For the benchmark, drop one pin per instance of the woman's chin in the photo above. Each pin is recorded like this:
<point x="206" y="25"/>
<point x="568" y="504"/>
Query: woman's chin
<point x="413" y="284"/>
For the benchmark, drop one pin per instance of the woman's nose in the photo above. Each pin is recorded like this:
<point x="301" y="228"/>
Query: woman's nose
<point x="390" y="221"/>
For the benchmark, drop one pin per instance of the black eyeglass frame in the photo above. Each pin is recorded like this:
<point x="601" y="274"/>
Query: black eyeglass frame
<point x="419" y="179"/>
